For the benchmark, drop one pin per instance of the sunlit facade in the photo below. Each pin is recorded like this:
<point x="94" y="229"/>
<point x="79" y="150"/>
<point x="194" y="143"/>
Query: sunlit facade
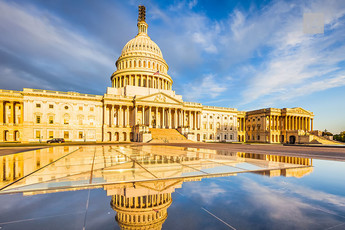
<point x="140" y="106"/>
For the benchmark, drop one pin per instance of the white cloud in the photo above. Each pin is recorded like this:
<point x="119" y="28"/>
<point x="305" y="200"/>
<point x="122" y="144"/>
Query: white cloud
<point x="207" y="87"/>
<point x="47" y="43"/>
<point x="207" y="197"/>
<point x="298" y="64"/>
<point x="284" y="201"/>
<point x="206" y="42"/>
<point x="192" y="3"/>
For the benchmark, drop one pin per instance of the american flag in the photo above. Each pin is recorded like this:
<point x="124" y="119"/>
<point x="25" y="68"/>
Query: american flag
<point x="156" y="73"/>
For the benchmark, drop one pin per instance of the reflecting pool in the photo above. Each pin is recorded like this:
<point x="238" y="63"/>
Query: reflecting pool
<point x="161" y="187"/>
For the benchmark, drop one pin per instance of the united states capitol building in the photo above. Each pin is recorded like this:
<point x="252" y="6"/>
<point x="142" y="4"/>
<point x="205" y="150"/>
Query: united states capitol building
<point x="141" y="106"/>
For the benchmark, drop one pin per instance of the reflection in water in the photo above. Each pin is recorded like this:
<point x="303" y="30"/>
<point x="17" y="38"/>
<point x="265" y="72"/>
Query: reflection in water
<point x="140" y="180"/>
<point x="142" y="205"/>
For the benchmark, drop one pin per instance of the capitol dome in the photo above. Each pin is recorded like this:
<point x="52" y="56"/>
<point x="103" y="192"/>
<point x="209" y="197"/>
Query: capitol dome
<point x="141" y="62"/>
<point x="142" y="45"/>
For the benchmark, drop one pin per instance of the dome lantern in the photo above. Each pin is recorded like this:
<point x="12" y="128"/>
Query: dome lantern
<point x="142" y="25"/>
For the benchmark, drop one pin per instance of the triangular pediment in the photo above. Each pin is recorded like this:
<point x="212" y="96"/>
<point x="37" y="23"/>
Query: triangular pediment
<point x="160" y="98"/>
<point x="299" y="110"/>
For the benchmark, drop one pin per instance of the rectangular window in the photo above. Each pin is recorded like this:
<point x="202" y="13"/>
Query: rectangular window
<point x="38" y="105"/>
<point x="66" y="134"/>
<point x="81" y="135"/>
<point x="80" y="108"/>
<point x="51" y="134"/>
<point x="66" y="121"/>
<point x="51" y="119"/>
<point x="91" y="109"/>
<point x="38" y="119"/>
<point x="51" y="106"/>
<point x="38" y="134"/>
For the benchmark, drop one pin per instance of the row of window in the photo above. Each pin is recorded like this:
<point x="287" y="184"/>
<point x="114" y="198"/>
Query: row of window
<point x="225" y="127"/>
<point x="66" y="120"/>
<point x="146" y="64"/>
<point x="218" y="137"/>
<point x="51" y="106"/>
<point x="211" y="117"/>
<point x="66" y="134"/>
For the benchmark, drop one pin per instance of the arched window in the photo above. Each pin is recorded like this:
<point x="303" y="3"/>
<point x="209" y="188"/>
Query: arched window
<point x="66" y="118"/>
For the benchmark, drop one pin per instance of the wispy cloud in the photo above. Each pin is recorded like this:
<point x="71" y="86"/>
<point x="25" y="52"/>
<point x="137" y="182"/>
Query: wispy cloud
<point x="298" y="64"/>
<point x="208" y="87"/>
<point x="43" y="41"/>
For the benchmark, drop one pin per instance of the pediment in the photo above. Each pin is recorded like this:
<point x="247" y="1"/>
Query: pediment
<point x="160" y="98"/>
<point x="160" y="186"/>
<point x="300" y="110"/>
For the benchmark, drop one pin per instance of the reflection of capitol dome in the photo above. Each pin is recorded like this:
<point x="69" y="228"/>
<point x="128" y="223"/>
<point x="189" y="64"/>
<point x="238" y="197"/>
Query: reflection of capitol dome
<point x="141" y="62"/>
<point x="144" y="206"/>
<point x="143" y="212"/>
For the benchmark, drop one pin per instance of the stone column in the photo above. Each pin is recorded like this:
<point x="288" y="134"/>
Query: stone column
<point x="112" y="116"/>
<point x="11" y="112"/>
<point x="157" y="124"/>
<point x="308" y="124"/>
<point x="169" y="118"/>
<point x="189" y="120"/>
<point x="104" y="114"/>
<point x="125" y="116"/>
<point x="175" y="118"/>
<point x="128" y="112"/>
<point x="163" y="118"/>
<point x="135" y="114"/>
<point x="143" y="115"/>
<point x="2" y="112"/>
<point x="194" y="120"/>
<point x="13" y="105"/>
<point x="120" y="116"/>
<point x="312" y="124"/>
<point x="150" y="116"/>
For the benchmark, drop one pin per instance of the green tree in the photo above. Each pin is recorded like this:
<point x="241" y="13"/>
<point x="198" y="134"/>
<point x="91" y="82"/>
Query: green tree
<point x="340" y="137"/>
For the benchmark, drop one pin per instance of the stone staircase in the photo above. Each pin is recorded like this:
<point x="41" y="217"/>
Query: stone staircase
<point x="322" y="140"/>
<point x="167" y="136"/>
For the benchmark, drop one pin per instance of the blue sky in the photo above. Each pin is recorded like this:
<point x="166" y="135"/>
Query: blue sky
<point x="240" y="54"/>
